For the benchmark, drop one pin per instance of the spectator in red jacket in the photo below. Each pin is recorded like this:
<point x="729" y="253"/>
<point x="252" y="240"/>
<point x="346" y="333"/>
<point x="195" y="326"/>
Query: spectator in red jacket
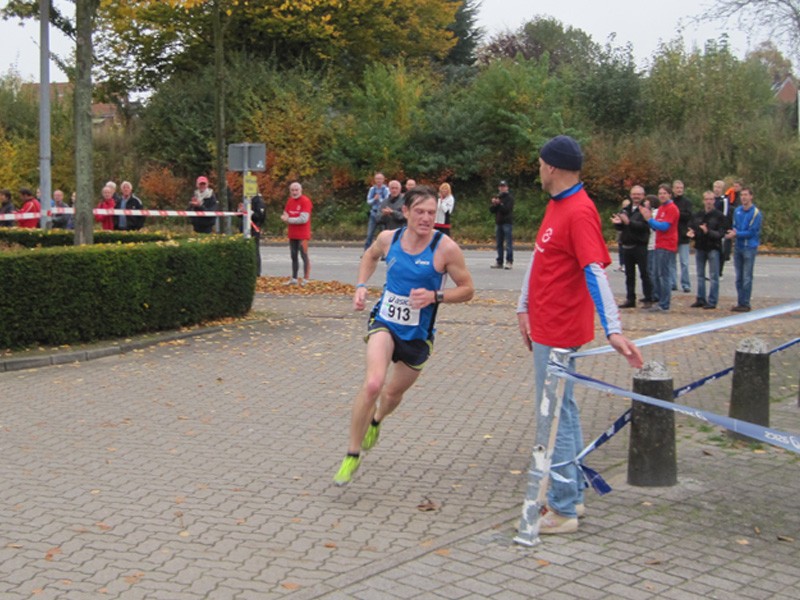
<point x="107" y="202"/>
<point x="29" y="205"/>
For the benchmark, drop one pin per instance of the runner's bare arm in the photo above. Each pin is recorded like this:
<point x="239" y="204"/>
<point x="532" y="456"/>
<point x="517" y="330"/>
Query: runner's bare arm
<point x="367" y="266"/>
<point x="457" y="270"/>
<point x="453" y="263"/>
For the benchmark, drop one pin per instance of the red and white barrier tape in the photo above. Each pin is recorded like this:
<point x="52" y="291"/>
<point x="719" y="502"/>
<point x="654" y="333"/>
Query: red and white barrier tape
<point x="18" y="216"/>
<point x="126" y="212"/>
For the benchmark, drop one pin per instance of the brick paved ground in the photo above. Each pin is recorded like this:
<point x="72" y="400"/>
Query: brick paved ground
<point x="201" y="468"/>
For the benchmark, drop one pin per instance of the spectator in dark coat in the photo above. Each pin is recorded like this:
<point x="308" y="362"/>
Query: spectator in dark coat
<point x="128" y="201"/>
<point x="634" y="236"/>
<point x="203" y="200"/>
<point x="503" y="209"/>
<point x="707" y="228"/>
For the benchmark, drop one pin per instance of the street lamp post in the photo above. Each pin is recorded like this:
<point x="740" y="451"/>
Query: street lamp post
<point x="44" y="112"/>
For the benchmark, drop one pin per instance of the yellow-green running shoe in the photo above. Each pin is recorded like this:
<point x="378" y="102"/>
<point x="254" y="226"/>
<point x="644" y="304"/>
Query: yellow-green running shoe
<point x="371" y="437"/>
<point x="345" y="473"/>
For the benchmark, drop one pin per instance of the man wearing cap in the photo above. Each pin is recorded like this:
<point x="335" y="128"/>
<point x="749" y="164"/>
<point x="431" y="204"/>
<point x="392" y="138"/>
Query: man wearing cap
<point x="565" y="283"/>
<point x="203" y="200"/>
<point x="503" y="208"/>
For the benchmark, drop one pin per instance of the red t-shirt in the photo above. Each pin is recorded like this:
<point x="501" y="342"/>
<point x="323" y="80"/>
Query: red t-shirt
<point x="668" y="240"/>
<point x="294" y="207"/>
<point x="107" y="221"/>
<point x="560" y="308"/>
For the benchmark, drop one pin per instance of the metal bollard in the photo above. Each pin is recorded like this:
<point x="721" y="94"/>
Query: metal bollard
<point x="652" y="460"/>
<point x="750" y="385"/>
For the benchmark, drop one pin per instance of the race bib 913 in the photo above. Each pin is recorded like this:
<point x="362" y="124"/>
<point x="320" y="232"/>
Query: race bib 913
<point x="397" y="309"/>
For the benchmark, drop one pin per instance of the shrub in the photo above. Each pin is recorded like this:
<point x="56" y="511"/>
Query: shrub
<point x="160" y="188"/>
<point x="70" y="294"/>
<point x="37" y="238"/>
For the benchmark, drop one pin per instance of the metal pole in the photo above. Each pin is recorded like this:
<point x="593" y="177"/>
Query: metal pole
<point x="247" y="205"/>
<point x="44" y="112"/>
<point x="246" y="200"/>
<point x="548" y="409"/>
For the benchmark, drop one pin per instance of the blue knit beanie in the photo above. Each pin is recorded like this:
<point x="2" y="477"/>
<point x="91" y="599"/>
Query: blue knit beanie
<point x="562" y="152"/>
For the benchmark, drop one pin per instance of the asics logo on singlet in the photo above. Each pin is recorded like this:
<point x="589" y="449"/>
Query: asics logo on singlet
<point x="422" y="262"/>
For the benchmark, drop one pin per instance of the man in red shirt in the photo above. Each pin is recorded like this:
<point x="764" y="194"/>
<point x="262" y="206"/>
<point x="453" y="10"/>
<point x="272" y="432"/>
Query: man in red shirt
<point x="665" y="224"/>
<point x="565" y="283"/>
<point x="29" y="205"/>
<point x="297" y="215"/>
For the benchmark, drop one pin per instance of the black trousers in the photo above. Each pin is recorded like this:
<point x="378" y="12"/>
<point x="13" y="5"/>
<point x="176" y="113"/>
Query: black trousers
<point x="637" y="257"/>
<point x="256" y="235"/>
<point x="725" y="255"/>
<point x="299" y="247"/>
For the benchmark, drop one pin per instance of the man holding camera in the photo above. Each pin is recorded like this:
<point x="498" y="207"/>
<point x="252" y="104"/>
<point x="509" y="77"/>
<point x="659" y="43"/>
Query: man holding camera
<point x="503" y="208"/>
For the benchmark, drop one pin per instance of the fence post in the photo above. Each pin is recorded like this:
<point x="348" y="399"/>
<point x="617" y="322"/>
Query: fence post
<point x="652" y="459"/>
<point x="750" y="385"/>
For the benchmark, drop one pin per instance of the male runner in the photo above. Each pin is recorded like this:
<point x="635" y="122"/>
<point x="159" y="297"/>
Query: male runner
<point x="401" y="325"/>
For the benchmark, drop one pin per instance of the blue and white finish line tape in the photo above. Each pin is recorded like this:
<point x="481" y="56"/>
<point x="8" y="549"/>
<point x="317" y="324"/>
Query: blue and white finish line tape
<point x="787" y="441"/>
<point x="782" y="439"/>
<point x="698" y="328"/>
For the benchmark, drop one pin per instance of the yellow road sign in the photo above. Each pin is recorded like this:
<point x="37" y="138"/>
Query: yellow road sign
<point x="250" y="185"/>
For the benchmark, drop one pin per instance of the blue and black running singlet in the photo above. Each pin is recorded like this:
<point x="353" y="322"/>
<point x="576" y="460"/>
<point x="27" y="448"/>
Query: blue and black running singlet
<point x="405" y="272"/>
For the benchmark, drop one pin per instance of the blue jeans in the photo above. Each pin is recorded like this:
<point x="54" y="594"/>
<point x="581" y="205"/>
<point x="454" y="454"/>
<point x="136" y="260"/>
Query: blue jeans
<point x="743" y="262"/>
<point x="371" y="226"/>
<point x="503" y="233"/>
<point x="683" y="255"/>
<point x="673" y="272"/>
<point x="651" y="272"/>
<point x="712" y="258"/>
<point x="562" y="496"/>
<point x="665" y="263"/>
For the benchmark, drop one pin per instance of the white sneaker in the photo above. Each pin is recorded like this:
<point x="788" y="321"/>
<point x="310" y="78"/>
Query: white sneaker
<point x="291" y="282"/>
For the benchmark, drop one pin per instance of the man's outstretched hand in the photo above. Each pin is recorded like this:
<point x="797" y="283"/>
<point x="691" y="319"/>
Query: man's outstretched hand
<point x="627" y="348"/>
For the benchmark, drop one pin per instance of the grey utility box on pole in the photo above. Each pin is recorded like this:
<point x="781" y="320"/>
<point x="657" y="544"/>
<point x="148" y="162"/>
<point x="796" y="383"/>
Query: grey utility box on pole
<point x="246" y="158"/>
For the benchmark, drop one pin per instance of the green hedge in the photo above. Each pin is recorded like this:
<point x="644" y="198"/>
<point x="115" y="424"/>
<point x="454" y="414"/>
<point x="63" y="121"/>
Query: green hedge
<point x="70" y="294"/>
<point x="37" y="238"/>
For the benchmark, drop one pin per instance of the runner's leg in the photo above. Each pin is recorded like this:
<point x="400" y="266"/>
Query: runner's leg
<point x="379" y="354"/>
<point x="401" y="379"/>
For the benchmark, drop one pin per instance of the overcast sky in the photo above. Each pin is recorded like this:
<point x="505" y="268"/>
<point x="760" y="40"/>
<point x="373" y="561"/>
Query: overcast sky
<point x="644" y="23"/>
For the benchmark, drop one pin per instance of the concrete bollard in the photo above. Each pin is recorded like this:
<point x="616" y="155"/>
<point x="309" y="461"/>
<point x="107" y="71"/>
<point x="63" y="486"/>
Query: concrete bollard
<point x="750" y="385"/>
<point x="652" y="460"/>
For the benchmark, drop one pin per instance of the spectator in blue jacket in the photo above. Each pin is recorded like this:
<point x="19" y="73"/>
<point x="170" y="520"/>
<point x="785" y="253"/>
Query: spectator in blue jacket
<point x="746" y="232"/>
<point x="376" y="195"/>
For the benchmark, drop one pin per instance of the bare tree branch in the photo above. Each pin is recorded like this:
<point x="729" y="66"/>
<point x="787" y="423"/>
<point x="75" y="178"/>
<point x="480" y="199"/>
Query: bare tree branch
<point x="778" y="19"/>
